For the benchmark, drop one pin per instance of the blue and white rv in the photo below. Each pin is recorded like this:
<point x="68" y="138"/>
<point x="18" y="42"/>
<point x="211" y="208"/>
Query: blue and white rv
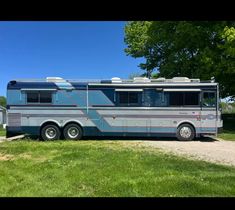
<point x="56" y="108"/>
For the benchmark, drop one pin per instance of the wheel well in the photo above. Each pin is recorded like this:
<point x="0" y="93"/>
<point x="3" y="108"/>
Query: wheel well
<point x="72" y="122"/>
<point x="48" y="123"/>
<point x="187" y="123"/>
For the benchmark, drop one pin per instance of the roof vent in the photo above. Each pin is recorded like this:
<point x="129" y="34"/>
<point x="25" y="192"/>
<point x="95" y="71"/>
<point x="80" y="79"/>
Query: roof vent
<point x="116" y="80"/>
<point x="141" y="79"/>
<point x="181" y="79"/>
<point x="195" y="80"/>
<point x="55" y="79"/>
<point x="160" y="79"/>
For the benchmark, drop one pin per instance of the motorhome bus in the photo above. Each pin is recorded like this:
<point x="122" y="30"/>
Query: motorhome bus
<point x="55" y="108"/>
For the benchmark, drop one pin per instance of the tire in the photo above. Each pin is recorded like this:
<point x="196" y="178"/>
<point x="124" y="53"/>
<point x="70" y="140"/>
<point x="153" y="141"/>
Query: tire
<point x="72" y="132"/>
<point x="185" y="132"/>
<point x="50" y="133"/>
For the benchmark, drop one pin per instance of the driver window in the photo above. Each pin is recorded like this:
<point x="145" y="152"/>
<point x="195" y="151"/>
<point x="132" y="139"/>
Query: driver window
<point x="209" y="99"/>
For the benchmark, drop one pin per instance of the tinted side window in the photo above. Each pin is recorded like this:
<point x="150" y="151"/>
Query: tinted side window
<point x="45" y="97"/>
<point x="129" y="98"/>
<point x="33" y="97"/>
<point x="183" y="98"/>
<point x="176" y="99"/>
<point x="154" y="98"/>
<point x="191" y="98"/>
<point x="133" y="97"/>
<point x="39" y="97"/>
<point x="149" y="97"/>
<point x="123" y="97"/>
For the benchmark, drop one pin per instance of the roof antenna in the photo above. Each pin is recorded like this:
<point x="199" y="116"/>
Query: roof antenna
<point x="212" y="79"/>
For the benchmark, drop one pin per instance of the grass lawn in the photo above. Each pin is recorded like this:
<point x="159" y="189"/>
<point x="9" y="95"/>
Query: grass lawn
<point x="2" y="131"/>
<point x="106" y="168"/>
<point x="228" y="129"/>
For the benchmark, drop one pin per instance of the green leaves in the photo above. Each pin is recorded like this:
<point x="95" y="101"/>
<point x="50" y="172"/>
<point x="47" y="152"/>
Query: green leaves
<point x="137" y="38"/>
<point x="195" y="49"/>
<point x="3" y="101"/>
<point x="229" y="34"/>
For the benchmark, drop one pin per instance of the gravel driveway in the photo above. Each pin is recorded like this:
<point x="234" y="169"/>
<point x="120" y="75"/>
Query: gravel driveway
<point x="217" y="151"/>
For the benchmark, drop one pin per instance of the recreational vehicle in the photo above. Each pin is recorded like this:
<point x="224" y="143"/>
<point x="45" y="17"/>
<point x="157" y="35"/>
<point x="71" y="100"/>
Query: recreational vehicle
<point x="55" y="108"/>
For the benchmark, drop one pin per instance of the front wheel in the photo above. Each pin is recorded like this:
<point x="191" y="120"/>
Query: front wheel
<point x="185" y="132"/>
<point x="72" y="132"/>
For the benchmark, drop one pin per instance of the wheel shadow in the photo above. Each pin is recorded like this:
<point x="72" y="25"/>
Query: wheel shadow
<point x="128" y="138"/>
<point x="207" y="139"/>
<point x="124" y="138"/>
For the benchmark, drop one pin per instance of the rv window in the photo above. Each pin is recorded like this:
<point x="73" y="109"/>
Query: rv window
<point x="191" y="98"/>
<point x="39" y="97"/>
<point x="209" y="99"/>
<point x="133" y="98"/>
<point x="32" y="97"/>
<point x="128" y="98"/>
<point x="45" y="97"/>
<point x="123" y="97"/>
<point x="176" y="98"/>
<point x="184" y="98"/>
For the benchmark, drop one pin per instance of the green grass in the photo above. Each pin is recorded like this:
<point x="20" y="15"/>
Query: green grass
<point x="228" y="128"/>
<point x="2" y="131"/>
<point x="106" y="168"/>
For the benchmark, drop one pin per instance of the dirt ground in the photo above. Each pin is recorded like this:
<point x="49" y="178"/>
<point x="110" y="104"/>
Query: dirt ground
<point x="217" y="151"/>
<point x="2" y="138"/>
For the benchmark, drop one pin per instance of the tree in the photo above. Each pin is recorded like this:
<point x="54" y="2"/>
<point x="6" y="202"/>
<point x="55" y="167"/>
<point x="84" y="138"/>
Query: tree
<point x="133" y="75"/>
<point x="194" y="49"/>
<point x="3" y="101"/>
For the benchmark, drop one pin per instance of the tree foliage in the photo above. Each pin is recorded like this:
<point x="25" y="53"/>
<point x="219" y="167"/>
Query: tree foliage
<point x="3" y="101"/>
<point x="194" y="49"/>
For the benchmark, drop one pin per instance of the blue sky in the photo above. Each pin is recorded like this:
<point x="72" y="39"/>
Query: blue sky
<point x="72" y="50"/>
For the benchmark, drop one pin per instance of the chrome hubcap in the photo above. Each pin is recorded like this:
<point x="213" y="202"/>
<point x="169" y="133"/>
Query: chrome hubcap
<point x="185" y="132"/>
<point x="50" y="133"/>
<point x="73" y="132"/>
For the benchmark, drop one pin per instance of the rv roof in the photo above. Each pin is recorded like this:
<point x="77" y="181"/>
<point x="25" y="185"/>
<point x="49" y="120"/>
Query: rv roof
<point x="134" y="81"/>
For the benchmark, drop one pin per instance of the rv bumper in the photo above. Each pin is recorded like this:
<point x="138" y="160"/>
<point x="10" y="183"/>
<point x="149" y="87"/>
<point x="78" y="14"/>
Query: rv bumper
<point x="13" y="131"/>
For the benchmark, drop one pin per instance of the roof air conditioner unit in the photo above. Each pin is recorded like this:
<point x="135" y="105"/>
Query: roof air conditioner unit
<point x="160" y="79"/>
<point x="116" y="80"/>
<point x="181" y="79"/>
<point x="141" y="79"/>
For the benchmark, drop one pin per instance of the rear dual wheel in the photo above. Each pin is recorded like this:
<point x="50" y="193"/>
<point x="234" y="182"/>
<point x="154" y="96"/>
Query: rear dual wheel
<point x="72" y="132"/>
<point x="52" y="132"/>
